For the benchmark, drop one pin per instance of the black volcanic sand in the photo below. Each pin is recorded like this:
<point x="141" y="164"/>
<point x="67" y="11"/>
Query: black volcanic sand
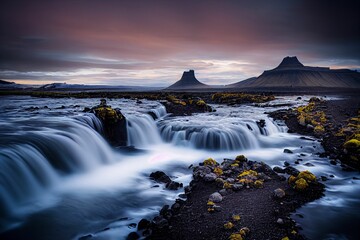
<point x="258" y="208"/>
<point x="337" y="113"/>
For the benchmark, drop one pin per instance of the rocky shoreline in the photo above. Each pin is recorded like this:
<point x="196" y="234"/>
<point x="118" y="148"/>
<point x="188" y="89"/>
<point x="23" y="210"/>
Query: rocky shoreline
<point x="335" y="122"/>
<point x="237" y="199"/>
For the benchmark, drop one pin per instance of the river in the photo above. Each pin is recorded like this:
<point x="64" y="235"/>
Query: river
<point x="59" y="179"/>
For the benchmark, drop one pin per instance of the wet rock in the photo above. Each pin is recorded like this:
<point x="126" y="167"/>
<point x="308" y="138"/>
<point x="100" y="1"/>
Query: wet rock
<point x="333" y="162"/>
<point x="309" y="164"/>
<point x="286" y="164"/>
<point x="143" y="224"/>
<point x="160" y="176"/>
<point x="280" y="221"/>
<point x="292" y="171"/>
<point x="174" y="185"/>
<point x="217" y="208"/>
<point x="288" y="151"/>
<point x="279" y="169"/>
<point x="176" y="206"/>
<point x="133" y="236"/>
<point x="132" y="225"/>
<point x="114" y="123"/>
<point x="215" y="197"/>
<point x="210" y="177"/>
<point x="86" y="109"/>
<point x="279" y="193"/>
<point x="160" y="222"/>
<point x="324" y="178"/>
<point x="261" y="123"/>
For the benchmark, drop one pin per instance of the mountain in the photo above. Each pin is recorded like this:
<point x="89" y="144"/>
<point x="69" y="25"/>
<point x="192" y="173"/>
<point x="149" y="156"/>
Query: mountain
<point x="188" y="81"/>
<point x="6" y="82"/>
<point x="292" y="73"/>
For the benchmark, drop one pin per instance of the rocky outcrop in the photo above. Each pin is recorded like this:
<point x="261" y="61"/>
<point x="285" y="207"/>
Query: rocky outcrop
<point x="114" y="123"/>
<point x="188" y="81"/>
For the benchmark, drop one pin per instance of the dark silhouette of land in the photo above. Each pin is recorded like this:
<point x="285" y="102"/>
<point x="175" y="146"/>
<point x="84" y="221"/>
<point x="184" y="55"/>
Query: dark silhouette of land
<point x="188" y="81"/>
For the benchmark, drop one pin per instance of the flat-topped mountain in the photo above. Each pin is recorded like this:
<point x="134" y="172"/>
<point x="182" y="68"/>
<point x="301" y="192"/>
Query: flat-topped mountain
<point x="292" y="73"/>
<point x="188" y="81"/>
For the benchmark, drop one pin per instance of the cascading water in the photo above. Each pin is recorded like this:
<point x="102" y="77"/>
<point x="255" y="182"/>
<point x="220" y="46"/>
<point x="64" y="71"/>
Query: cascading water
<point x="35" y="153"/>
<point x="97" y="187"/>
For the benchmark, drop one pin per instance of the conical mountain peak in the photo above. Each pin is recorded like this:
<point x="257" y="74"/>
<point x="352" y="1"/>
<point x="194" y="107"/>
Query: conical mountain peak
<point x="188" y="81"/>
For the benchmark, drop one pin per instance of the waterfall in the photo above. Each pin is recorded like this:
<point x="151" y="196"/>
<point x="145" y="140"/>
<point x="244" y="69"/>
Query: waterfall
<point x="234" y="136"/>
<point x="142" y="130"/>
<point x="35" y="153"/>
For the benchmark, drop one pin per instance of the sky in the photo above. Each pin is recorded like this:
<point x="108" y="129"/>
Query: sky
<point x="150" y="43"/>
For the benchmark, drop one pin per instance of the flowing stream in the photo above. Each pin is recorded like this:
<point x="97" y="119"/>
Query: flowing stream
<point x="59" y="179"/>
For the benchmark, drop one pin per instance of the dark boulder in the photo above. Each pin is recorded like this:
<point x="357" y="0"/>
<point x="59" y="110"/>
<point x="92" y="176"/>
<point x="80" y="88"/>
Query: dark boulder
<point x="114" y="123"/>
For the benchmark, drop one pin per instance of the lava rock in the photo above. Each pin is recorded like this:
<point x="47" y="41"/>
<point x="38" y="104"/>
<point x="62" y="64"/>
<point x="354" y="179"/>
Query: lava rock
<point x="143" y="224"/>
<point x="210" y="177"/>
<point x="160" y="176"/>
<point x="279" y="193"/>
<point x="215" y="197"/>
<point x="279" y="169"/>
<point x="174" y="185"/>
<point x="133" y="236"/>
<point x="288" y="151"/>
<point x="160" y="222"/>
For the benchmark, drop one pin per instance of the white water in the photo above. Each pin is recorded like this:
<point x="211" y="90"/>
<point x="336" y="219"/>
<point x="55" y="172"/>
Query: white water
<point x="54" y="167"/>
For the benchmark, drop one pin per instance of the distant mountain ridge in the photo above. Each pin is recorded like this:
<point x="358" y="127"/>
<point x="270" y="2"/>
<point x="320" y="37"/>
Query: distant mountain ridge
<point x="188" y="81"/>
<point x="292" y="73"/>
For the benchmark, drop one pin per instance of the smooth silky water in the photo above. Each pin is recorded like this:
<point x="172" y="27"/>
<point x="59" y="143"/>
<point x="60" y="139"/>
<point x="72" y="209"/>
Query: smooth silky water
<point x="59" y="179"/>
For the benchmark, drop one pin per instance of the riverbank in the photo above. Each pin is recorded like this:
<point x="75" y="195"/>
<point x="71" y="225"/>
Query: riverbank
<point x="237" y="199"/>
<point x="336" y="122"/>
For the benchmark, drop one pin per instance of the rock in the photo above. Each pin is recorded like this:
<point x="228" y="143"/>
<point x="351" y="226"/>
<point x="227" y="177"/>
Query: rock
<point x="287" y="151"/>
<point x="132" y="225"/>
<point x="160" y="222"/>
<point x="210" y="177"/>
<point x="279" y="193"/>
<point x="310" y="127"/>
<point x="215" y="197"/>
<point x="279" y="169"/>
<point x="292" y="171"/>
<point x="160" y="176"/>
<point x="114" y="123"/>
<point x="237" y="186"/>
<point x="143" y="224"/>
<point x="280" y="221"/>
<point x="224" y="192"/>
<point x="174" y="185"/>
<point x="261" y="123"/>
<point x="133" y="236"/>
<point x="286" y="164"/>
<point x="201" y="171"/>
<point x="217" y="208"/>
<point x="309" y="164"/>
<point x="324" y="178"/>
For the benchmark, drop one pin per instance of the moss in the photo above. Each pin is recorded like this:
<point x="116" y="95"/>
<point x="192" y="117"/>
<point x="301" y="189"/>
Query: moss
<point x="234" y="165"/>
<point x="236" y="217"/>
<point x="291" y="179"/>
<point x="285" y="238"/>
<point x="352" y="145"/>
<point x="235" y="236"/>
<point x="301" y="184"/>
<point x="259" y="184"/>
<point x="210" y="203"/>
<point x="210" y="162"/>
<point x="307" y="175"/>
<point x="248" y="173"/>
<point x="240" y="158"/>
<point x="227" y="185"/>
<point x="244" y="231"/>
<point x="228" y="225"/>
<point x="201" y="103"/>
<point x="210" y="209"/>
<point x="218" y="171"/>
<point x="319" y="129"/>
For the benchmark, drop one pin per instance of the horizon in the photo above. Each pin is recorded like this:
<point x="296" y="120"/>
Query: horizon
<point x="141" y="43"/>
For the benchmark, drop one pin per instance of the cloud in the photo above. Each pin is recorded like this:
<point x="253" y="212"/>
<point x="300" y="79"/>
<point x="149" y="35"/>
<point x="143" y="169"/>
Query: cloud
<point x="152" y="42"/>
